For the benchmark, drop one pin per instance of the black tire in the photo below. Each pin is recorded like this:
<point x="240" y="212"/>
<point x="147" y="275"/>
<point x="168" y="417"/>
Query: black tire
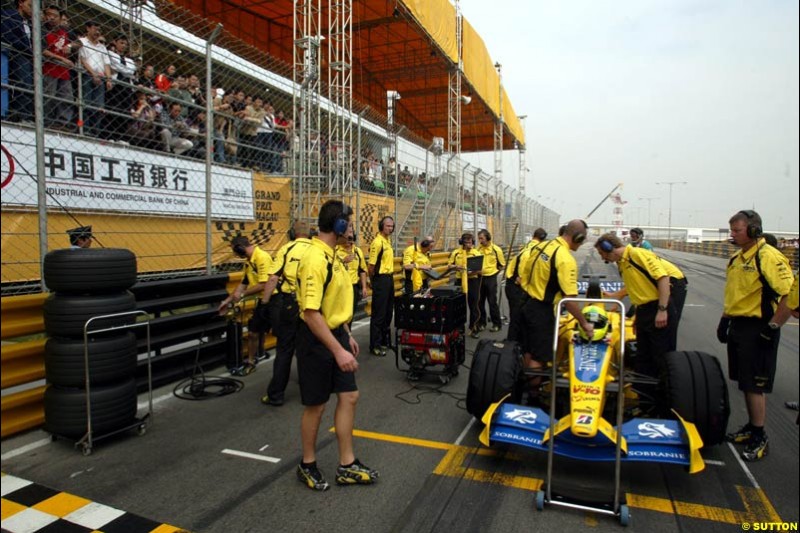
<point x="110" y="359"/>
<point x="66" y="314"/>
<point x="89" y="270"/>
<point x="696" y="388"/>
<point x="495" y="372"/>
<point x="113" y="408"/>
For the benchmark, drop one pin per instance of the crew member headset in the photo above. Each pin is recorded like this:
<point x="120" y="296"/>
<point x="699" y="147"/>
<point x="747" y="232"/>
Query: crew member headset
<point x="754" y="229"/>
<point x="466" y="237"/>
<point x="381" y="221"/>
<point x="240" y="244"/>
<point x="579" y="237"/>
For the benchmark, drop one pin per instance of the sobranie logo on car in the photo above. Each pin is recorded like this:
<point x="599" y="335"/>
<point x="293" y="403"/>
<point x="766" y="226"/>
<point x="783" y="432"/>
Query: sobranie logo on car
<point x="655" y="431"/>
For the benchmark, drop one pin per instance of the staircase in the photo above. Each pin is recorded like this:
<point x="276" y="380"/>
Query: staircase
<point x="412" y="227"/>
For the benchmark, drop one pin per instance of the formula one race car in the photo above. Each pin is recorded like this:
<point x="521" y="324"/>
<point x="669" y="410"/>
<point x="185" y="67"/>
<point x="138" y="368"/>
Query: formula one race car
<point x="662" y="419"/>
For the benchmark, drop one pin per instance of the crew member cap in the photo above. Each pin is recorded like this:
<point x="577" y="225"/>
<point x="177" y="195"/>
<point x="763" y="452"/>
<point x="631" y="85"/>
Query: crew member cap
<point x="81" y="232"/>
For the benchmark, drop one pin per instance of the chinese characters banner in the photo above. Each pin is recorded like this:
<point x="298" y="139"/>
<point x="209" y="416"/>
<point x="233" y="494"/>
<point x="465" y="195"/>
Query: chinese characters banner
<point x="84" y="174"/>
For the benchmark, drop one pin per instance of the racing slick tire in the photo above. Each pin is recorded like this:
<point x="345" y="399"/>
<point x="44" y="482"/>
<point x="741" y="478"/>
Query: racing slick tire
<point x="66" y="314"/>
<point x="89" y="270"/>
<point x="696" y="388"/>
<point x="110" y="359"/>
<point x="495" y="372"/>
<point x="113" y="407"/>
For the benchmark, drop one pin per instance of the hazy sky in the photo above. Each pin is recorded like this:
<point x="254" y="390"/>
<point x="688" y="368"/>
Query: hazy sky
<point x="640" y="91"/>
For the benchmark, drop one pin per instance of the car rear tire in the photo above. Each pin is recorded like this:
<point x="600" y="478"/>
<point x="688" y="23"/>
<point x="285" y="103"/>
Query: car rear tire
<point x="110" y="359"/>
<point x="495" y="372"/>
<point x="95" y="270"/>
<point x="696" y="388"/>
<point x="113" y="407"/>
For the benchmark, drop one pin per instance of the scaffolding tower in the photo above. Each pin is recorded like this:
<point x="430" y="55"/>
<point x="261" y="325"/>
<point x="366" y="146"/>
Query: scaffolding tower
<point x="306" y="107"/>
<point x="340" y="82"/>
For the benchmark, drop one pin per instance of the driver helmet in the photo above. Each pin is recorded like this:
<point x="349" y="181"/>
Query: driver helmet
<point x="599" y="319"/>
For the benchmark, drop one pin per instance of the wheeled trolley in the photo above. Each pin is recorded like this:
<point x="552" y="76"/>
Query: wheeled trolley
<point x="110" y="397"/>
<point x="429" y="334"/>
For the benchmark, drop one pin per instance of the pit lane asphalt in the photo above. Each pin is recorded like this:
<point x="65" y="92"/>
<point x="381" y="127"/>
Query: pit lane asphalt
<point x="435" y="475"/>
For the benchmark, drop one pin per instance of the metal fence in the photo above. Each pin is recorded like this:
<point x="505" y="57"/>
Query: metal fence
<point x="168" y="136"/>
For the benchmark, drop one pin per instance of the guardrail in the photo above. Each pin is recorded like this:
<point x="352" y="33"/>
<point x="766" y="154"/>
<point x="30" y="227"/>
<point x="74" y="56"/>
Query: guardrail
<point x="715" y="249"/>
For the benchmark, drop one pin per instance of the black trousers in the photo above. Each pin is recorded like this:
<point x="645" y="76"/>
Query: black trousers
<point x="516" y="297"/>
<point x="382" y="308"/>
<point x="677" y="288"/>
<point x="473" y="297"/>
<point x="286" y="332"/>
<point x="652" y="342"/>
<point x="489" y="292"/>
<point x="356" y="299"/>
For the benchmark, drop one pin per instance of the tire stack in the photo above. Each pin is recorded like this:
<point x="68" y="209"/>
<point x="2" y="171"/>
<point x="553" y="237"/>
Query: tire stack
<point x="87" y="283"/>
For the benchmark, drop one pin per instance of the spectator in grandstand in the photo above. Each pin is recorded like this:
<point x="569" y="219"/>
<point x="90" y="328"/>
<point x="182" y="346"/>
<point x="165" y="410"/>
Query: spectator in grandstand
<point x="248" y="133"/>
<point x="142" y="126"/>
<point x="174" y="130"/>
<point x="197" y="134"/>
<point x="56" y="65"/>
<point x="96" y="78"/>
<point x="638" y="241"/>
<point x="17" y="32"/>
<point x="265" y="159"/>
<point x="197" y="94"/>
<point x="118" y="98"/>
<point x="177" y="93"/>
<point x="80" y="237"/>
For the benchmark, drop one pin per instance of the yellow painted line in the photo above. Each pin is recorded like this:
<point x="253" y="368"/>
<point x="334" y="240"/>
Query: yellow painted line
<point x="757" y="507"/>
<point x="590" y="519"/>
<point x="9" y="508"/>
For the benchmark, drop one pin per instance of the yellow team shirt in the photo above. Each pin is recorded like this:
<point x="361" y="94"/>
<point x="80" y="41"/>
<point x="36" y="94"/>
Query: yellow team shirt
<point x="414" y="254"/>
<point x="354" y="267"/>
<point x="493" y="259"/>
<point x="791" y="301"/>
<point x="672" y="270"/>
<point x="459" y="257"/>
<point x="536" y="272"/>
<point x="742" y="287"/>
<point x="381" y="243"/>
<point x="641" y="288"/>
<point x="512" y="265"/>
<point x="286" y="262"/>
<point x="256" y="269"/>
<point x="334" y="301"/>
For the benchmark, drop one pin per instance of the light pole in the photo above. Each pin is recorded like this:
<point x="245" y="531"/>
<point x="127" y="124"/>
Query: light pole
<point x="649" y="200"/>
<point x="669" y="213"/>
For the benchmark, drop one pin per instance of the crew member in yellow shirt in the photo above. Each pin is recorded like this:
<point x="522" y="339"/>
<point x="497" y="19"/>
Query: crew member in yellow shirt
<point x="493" y="262"/>
<point x="381" y="274"/>
<point x="516" y="296"/>
<point x="416" y="260"/>
<point x="256" y="267"/>
<point x="657" y="288"/>
<point x="353" y="258"/>
<point x="470" y="280"/>
<point x="282" y="288"/>
<point x="327" y="351"/>
<point x="758" y="281"/>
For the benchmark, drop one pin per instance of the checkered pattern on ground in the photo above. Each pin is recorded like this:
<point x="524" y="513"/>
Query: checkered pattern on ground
<point x="28" y="507"/>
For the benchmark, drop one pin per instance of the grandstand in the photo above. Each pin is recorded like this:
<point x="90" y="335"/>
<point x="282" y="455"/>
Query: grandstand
<point x="217" y="120"/>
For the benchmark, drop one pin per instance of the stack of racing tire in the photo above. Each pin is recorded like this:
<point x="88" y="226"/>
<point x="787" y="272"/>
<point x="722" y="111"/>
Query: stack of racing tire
<point x="87" y="283"/>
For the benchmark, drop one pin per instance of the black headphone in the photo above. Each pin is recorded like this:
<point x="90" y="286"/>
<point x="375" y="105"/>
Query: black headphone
<point x="292" y="234"/>
<point x="239" y="249"/>
<point x="381" y="221"/>
<point x="425" y="243"/>
<point x="486" y="234"/>
<point x="754" y="229"/>
<point x="342" y="222"/>
<point x="605" y="245"/>
<point x="466" y="236"/>
<point x="578" y="238"/>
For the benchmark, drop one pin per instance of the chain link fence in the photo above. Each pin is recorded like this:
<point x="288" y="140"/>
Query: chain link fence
<point x="168" y="136"/>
